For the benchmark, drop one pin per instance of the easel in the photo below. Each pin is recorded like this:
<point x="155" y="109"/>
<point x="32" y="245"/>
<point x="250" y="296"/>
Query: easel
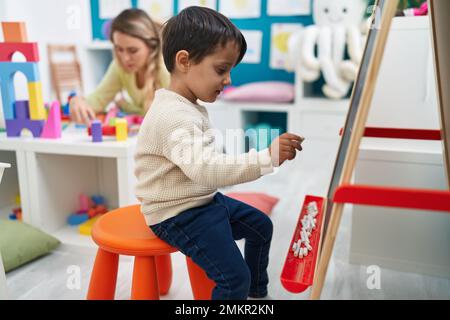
<point x="299" y="274"/>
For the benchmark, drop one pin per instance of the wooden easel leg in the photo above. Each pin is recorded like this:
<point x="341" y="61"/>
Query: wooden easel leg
<point x="327" y="251"/>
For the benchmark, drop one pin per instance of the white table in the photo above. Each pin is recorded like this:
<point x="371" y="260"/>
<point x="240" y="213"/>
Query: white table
<point x="3" y="294"/>
<point x="52" y="173"/>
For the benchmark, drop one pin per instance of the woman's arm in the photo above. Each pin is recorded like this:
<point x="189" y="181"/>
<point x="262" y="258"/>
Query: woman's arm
<point x="82" y="110"/>
<point x="106" y="90"/>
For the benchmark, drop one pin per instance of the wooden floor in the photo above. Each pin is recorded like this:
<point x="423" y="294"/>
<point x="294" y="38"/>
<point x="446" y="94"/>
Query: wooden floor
<point x="51" y="277"/>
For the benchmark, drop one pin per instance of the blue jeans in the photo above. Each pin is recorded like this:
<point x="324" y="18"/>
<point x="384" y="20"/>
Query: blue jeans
<point x="207" y="235"/>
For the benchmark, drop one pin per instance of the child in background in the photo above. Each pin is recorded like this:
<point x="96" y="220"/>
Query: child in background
<point x="179" y="169"/>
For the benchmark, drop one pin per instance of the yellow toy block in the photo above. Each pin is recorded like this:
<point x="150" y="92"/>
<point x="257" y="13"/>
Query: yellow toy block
<point x="14" y="32"/>
<point x="86" y="228"/>
<point x="121" y="130"/>
<point x="37" y="109"/>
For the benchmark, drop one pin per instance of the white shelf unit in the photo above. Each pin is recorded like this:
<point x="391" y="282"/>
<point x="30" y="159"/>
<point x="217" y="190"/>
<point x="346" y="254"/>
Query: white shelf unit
<point x="50" y="175"/>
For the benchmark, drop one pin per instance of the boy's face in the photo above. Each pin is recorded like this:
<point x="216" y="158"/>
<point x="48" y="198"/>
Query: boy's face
<point x="207" y="79"/>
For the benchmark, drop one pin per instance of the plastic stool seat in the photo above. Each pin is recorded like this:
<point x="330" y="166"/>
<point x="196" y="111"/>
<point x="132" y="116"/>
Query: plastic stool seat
<point x="124" y="231"/>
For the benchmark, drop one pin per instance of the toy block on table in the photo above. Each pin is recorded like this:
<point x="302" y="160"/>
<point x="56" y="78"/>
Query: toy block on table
<point x="96" y="130"/>
<point x="14" y="32"/>
<point x="8" y="97"/>
<point x="106" y="131"/>
<point x="7" y="72"/>
<point x="22" y="109"/>
<point x="37" y="109"/>
<point x="29" y="50"/>
<point x="134" y="120"/>
<point x="15" y="127"/>
<point x="300" y="264"/>
<point x="29" y="69"/>
<point x="110" y="115"/>
<point x="121" y="130"/>
<point x="52" y="128"/>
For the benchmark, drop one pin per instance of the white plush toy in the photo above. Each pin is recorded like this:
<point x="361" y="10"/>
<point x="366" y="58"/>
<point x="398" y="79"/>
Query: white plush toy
<point x="337" y="27"/>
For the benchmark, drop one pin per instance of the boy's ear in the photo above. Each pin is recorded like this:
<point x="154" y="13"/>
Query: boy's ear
<point x="182" y="61"/>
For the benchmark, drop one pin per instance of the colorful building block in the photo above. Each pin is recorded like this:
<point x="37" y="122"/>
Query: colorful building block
<point x="86" y="227"/>
<point x="29" y="69"/>
<point x="7" y="72"/>
<point x="84" y="203"/>
<point x="121" y="130"/>
<point x="112" y="113"/>
<point x="52" y="127"/>
<point x="106" y="131"/>
<point x="96" y="129"/>
<point x="15" y="127"/>
<point x="37" y="109"/>
<point x="22" y="109"/>
<point x="98" y="200"/>
<point x="8" y="97"/>
<point x="77" y="219"/>
<point x="29" y="50"/>
<point x="14" y="32"/>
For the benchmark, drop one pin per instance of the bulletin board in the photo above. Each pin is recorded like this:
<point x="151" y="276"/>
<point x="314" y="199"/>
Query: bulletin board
<point x="245" y="72"/>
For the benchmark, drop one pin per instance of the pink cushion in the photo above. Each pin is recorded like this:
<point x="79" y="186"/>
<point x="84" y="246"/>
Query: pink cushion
<point x="260" y="201"/>
<point x="270" y="91"/>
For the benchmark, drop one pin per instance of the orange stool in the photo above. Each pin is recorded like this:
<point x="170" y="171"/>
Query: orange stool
<point x="124" y="232"/>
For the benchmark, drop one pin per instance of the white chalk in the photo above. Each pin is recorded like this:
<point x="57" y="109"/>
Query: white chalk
<point x="305" y="252"/>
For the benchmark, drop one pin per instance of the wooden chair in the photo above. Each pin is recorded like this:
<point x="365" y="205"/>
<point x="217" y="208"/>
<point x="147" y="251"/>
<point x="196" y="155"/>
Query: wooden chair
<point x="65" y="70"/>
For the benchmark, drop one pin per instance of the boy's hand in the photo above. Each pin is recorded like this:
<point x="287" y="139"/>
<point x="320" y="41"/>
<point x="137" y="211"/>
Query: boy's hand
<point x="284" y="148"/>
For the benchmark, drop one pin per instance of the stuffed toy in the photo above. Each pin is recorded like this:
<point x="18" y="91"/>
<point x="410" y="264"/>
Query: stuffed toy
<point x="321" y="48"/>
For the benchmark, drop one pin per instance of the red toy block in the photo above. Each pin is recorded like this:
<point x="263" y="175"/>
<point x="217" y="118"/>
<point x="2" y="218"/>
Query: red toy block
<point x="29" y="50"/>
<point x="14" y="32"/>
<point x="106" y="131"/>
<point x="92" y="213"/>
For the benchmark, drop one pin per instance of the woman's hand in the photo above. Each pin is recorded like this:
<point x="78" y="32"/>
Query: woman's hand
<point x="285" y="148"/>
<point x="80" y="111"/>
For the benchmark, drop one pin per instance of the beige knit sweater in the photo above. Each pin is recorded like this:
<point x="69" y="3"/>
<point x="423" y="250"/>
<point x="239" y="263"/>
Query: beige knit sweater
<point x="177" y="164"/>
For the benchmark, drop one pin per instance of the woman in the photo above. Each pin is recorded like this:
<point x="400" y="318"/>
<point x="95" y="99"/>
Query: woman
<point x="136" y="72"/>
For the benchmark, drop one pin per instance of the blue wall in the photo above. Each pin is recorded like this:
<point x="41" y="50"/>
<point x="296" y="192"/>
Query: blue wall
<point x="244" y="73"/>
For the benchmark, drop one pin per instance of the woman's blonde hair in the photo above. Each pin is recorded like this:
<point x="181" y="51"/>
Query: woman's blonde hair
<point x="138" y="24"/>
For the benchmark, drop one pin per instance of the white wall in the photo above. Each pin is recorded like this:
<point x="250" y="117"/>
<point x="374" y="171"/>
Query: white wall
<point x="50" y="22"/>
